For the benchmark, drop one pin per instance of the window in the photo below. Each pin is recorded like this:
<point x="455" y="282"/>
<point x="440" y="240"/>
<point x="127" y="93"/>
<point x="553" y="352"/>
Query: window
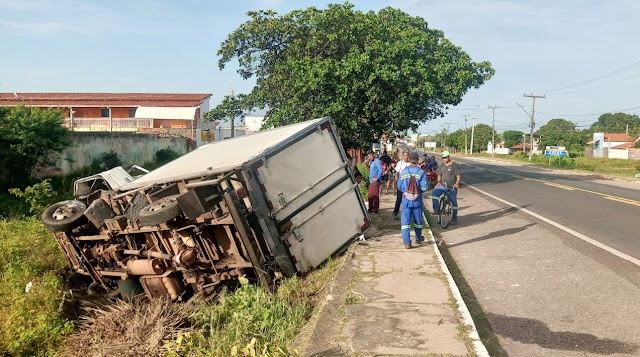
<point x="132" y="112"/>
<point x="104" y="112"/>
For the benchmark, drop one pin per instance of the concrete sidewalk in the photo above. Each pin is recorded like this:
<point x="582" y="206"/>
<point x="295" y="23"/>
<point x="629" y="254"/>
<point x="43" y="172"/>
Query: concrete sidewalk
<point x="390" y="301"/>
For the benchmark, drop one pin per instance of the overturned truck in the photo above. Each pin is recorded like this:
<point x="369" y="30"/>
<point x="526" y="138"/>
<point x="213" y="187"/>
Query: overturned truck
<point x="276" y="203"/>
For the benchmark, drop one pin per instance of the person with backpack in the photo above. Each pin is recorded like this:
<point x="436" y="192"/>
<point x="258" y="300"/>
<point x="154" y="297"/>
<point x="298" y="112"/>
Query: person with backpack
<point x="412" y="184"/>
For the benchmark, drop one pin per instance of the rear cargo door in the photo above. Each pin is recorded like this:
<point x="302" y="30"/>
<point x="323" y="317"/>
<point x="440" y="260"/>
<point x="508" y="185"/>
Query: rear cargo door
<point x="312" y="195"/>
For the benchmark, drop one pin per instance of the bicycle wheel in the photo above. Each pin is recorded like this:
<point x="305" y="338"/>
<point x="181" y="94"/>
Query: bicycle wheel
<point x="445" y="213"/>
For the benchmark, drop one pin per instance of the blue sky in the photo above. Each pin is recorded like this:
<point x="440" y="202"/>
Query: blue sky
<point x="535" y="46"/>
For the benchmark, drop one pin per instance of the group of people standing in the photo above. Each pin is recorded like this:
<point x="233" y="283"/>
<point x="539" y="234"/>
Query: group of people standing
<point x="409" y="173"/>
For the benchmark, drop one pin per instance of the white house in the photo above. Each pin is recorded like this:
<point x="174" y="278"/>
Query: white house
<point x="603" y="144"/>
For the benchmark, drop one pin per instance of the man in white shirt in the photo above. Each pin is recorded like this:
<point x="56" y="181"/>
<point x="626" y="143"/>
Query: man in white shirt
<point x="399" y="167"/>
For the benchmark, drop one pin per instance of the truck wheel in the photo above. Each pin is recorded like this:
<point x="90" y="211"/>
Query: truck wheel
<point x="160" y="211"/>
<point x="63" y="216"/>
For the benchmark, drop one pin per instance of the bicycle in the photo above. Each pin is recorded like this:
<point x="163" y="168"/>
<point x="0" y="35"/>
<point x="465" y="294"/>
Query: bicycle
<point x="444" y="217"/>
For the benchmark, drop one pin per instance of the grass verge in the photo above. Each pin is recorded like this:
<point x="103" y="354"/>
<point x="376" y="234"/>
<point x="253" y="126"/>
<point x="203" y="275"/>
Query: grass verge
<point x="32" y="317"/>
<point x="611" y="167"/>
<point x="249" y="321"/>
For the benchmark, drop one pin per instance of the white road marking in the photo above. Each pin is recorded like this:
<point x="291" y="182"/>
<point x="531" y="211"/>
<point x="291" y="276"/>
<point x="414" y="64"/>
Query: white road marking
<point x="579" y="235"/>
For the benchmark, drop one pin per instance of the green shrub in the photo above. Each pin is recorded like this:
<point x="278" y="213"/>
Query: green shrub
<point x="250" y="312"/>
<point x="364" y="187"/>
<point x="585" y="165"/>
<point x="31" y="319"/>
<point x="38" y="196"/>
<point x="163" y="156"/>
<point x="106" y="161"/>
<point x="364" y="170"/>
<point x="520" y="155"/>
<point x="252" y="321"/>
<point x="561" y="161"/>
<point x="12" y="206"/>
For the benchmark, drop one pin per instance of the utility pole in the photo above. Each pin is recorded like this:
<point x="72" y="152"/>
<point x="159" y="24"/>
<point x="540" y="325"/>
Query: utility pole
<point x="493" y="128"/>
<point x="473" y="128"/>
<point x="533" y="122"/>
<point x="465" y="134"/>
<point x="233" y="129"/>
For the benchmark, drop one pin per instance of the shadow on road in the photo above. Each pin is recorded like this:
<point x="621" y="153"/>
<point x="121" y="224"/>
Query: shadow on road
<point x="537" y="332"/>
<point x="495" y="234"/>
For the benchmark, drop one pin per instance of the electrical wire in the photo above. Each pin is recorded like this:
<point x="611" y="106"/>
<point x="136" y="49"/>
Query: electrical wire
<point x="609" y="74"/>
<point x="602" y="85"/>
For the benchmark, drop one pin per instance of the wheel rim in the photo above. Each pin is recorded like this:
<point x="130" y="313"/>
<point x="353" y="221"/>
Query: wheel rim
<point x="64" y="212"/>
<point x="160" y="204"/>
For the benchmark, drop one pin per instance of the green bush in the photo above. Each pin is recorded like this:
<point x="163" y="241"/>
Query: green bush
<point x="561" y="161"/>
<point x="12" y="206"/>
<point x="585" y="165"/>
<point x="364" y="187"/>
<point x="252" y="321"/>
<point x="32" y="320"/>
<point x="38" y="196"/>
<point x="163" y="156"/>
<point x="106" y="161"/>
<point x="520" y="155"/>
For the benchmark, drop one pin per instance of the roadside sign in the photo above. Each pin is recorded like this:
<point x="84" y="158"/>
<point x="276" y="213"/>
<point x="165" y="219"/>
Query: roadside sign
<point x="556" y="152"/>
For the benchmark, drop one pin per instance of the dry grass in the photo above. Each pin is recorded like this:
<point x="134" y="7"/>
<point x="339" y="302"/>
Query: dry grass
<point x="128" y="328"/>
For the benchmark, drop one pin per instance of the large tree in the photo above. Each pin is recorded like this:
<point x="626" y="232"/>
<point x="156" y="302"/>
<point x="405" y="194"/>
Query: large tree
<point x="28" y="136"/>
<point x="560" y="132"/>
<point x="482" y="134"/>
<point x="617" y="123"/>
<point x="512" y="137"/>
<point x="371" y="72"/>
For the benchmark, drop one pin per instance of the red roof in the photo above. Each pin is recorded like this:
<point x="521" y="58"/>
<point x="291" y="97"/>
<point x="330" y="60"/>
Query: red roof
<point x="519" y="146"/>
<point x="103" y="99"/>
<point x="625" y="145"/>
<point x="617" y="137"/>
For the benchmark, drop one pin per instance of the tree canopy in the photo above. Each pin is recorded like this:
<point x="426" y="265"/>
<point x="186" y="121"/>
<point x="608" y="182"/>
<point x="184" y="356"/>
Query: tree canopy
<point x="481" y="136"/>
<point x="617" y="123"/>
<point x="371" y="72"/>
<point x="512" y="137"/>
<point x="28" y="136"/>
<point x="560" y="132"/>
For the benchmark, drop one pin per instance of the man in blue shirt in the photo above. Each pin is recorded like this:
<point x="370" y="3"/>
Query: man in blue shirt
<point x="412" y="210"/>
<point x="375" y="180"/>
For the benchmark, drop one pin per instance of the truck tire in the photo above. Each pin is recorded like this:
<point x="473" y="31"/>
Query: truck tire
<point x="63" y="216"/>
<point x="160" y="211"/>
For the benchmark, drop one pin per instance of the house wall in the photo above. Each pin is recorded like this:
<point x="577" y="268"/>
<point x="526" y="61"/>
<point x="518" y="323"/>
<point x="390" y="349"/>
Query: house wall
<point x="131" y="148"/>
<point x="611" y="144"/>
<point x="618" y="154"/>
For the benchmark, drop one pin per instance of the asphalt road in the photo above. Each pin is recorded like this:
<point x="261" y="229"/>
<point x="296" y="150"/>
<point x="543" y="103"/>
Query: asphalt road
<point x="606" y="211"/>
<point x="553" y="258"/>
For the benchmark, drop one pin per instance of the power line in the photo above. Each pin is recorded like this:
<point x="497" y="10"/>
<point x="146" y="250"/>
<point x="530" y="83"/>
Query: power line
<point x="602" y="85"/>
<point x="589" y="114"/>
<point x="617" y="71"/>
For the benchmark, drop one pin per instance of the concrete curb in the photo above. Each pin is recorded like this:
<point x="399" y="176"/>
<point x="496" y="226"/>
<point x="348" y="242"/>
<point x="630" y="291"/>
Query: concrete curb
<point x="478" y="346"/>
